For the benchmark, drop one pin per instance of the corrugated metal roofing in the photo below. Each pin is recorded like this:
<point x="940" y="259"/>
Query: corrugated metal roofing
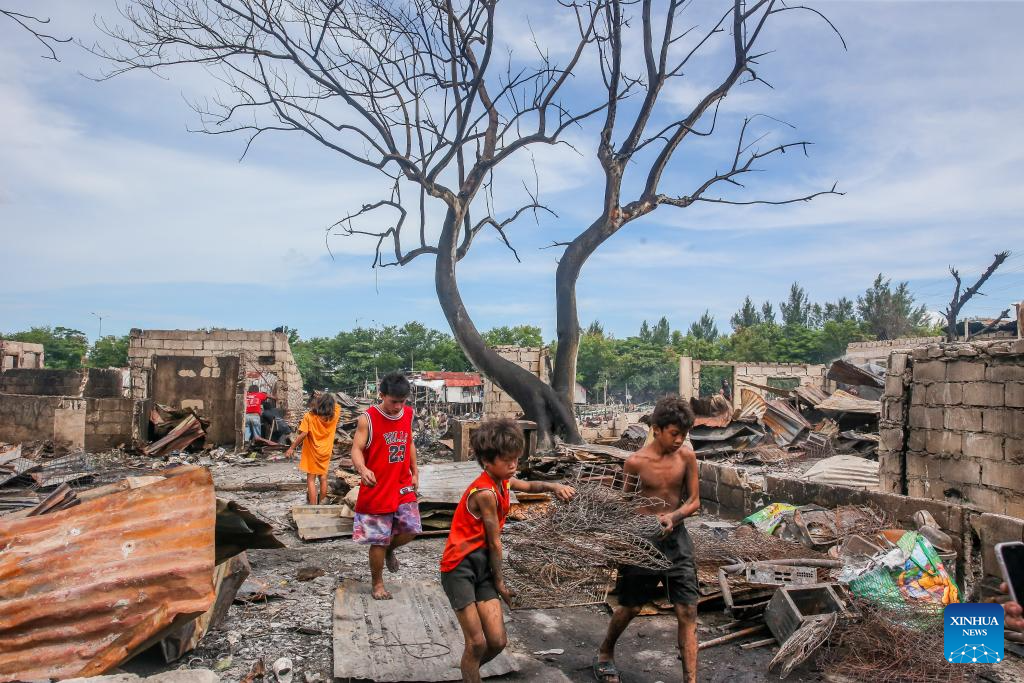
<point x="845" y="470"/>
<point x="843" y="402"/>
<point x="83" y="589"/>
<point x="784" y="421"/>
<point x="454" y="379"/>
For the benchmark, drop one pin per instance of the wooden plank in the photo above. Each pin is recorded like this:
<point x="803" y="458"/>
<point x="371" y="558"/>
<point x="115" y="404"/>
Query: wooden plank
<point x="445" y="482"/>
<point x="414" y="637"/>
<point x="314" y="522"/>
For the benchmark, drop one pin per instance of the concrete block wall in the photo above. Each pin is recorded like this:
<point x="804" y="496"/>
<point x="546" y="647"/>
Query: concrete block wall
<point x="266" y="359"/>
<point x="758" y="373"/>
<point x="952" y="425"/>
<point x="879" y="351"/>
<point x="497" y="403"/>
<point x="26" y="418"/>
<point x="14" y="354"/>
<point x="88" y="382"/>
<point x="108" y="422"/>
<point x="38" y="418"/>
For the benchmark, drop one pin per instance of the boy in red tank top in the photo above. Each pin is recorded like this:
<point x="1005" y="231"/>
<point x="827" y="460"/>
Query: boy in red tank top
<point x="471" y="564"/>
<point x="383" y="453"/>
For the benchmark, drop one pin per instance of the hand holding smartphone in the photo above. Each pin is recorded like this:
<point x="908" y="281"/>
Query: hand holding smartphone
<point x="1011" y="560"/>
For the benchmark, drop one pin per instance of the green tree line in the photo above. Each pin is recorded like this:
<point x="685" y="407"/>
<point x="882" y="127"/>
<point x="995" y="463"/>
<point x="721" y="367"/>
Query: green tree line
<point x="797" y="330"/>
<point x="802" y="332"/>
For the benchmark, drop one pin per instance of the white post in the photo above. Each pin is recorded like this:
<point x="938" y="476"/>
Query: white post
<point x="685" y="377"/>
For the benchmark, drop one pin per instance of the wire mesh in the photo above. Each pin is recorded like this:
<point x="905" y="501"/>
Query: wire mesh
<point x="893" y="644"/>
<point x="568" y="555"/>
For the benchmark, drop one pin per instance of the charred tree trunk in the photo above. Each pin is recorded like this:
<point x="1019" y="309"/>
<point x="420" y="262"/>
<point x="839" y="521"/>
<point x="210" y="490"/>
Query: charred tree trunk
<point x="539" y="401"/>
<point x="563" y="378"/>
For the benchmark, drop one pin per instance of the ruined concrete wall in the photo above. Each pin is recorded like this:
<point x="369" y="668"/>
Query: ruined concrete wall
<point x="265" y="357"/>
<point x="878" y="351"/>
<point x="26" y="418"/>
<point x="952" y="425"/>
<point x="37" y="418"/>
<point x="499" y="404"/>
<point x="758" y="373"/>
<point x="42" y="382"/>
<point x="728" y="491"/>
<point x="108" y="422"/>
<point x="15" y="354"/>
<point x="212" y="385"/>
<point x="87" y="382"/>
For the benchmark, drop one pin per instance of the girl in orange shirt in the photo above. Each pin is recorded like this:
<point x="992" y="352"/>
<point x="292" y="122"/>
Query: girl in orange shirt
<point x="317" y="431"/>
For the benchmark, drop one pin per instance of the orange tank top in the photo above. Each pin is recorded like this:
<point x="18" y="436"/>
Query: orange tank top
<point x="467" y="532"/>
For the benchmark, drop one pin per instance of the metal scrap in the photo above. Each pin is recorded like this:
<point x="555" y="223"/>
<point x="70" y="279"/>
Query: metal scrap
<point x="844" y="470"/>
<point x="83" y="589"/>
<point x="843" y="402"/>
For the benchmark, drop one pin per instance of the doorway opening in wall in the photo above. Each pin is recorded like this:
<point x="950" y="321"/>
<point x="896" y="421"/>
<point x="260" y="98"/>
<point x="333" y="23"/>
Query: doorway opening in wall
<point x="784" y="384"/>
<point x="711" y="377"/>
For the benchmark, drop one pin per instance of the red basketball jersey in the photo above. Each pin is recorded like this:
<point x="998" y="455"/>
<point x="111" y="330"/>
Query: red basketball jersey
<point x="387" y="456"/>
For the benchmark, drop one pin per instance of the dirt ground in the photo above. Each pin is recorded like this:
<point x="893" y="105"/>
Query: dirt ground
<point x="298" y="623"/>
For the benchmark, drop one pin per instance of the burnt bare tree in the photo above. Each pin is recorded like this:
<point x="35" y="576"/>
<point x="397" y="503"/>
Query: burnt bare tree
<point x="960" y="299"/>
<point x="37" y="27"/>
<point x="649" y="142"/>
<point x="413" y="91"/>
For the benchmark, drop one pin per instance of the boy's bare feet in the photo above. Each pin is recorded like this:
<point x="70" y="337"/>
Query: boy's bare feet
<point x="391" y="562"/>
<point x="380" y="593"/>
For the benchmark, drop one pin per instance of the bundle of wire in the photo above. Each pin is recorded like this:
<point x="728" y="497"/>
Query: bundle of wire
<point x="568" y="555"/>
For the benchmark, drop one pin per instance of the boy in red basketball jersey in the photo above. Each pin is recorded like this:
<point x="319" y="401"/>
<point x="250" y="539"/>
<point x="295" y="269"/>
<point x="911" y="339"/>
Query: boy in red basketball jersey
<point x="471" y="564"/>
<point x="387" y="515"/>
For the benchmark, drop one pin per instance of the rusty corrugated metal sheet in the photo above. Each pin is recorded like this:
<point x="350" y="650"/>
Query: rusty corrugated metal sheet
<point x="843" y="402"/>
<point x="810" y="395"/>
<point x="786" y="423"/>
<point x="83" y="589"/>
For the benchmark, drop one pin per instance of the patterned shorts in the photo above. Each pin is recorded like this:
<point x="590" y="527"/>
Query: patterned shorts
<point x="379" y="529"/>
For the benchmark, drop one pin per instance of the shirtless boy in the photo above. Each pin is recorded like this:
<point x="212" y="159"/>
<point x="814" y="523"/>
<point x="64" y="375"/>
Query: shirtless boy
<point x="665" y="469"/>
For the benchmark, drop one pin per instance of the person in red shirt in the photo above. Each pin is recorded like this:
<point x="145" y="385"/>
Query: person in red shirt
<point x="471" y="573"/>
<point x="253" y="409"/>
<point x="387" y="515"/>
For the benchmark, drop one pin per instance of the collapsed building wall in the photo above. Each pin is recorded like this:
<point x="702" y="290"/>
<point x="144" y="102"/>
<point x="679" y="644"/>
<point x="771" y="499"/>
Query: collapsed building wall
<point x="952" y="425"/>
<point x="210" y="370"/>
<point x="498" y="403"/>
<point x="14" y="354"/>
<point x="878" y="351"/>
<point x="753" y="376"/>
<point x="76" y="408"/>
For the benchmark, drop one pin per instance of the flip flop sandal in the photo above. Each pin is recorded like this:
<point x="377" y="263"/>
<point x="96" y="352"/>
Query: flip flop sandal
<point x="605" y="672"/>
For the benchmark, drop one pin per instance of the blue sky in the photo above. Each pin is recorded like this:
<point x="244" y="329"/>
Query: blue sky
<point x="109" y="204"/>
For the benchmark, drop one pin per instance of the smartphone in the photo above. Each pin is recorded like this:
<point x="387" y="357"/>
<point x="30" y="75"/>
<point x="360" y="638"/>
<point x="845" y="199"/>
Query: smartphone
<point x="1011" y="559"/>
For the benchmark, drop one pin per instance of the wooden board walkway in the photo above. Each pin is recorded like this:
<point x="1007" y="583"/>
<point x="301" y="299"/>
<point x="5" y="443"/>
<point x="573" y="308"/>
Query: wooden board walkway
<point x="414" y="637"/>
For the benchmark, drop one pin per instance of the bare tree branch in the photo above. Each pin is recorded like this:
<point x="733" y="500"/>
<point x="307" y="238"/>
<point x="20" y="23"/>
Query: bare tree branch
<point x="33" y="25"/>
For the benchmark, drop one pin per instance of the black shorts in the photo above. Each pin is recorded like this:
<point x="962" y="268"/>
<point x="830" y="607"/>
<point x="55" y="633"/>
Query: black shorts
<point x="636" y="586"/>
<point x="471" y="581"/>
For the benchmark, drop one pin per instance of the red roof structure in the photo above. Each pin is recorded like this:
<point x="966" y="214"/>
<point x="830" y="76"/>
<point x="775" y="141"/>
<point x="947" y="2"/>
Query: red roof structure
<point x="454" y="379"/>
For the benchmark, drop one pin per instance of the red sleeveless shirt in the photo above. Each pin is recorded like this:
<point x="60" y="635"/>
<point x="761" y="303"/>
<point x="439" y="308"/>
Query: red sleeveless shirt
<point x="387" y="457"/>
<point x="467" y="533"/>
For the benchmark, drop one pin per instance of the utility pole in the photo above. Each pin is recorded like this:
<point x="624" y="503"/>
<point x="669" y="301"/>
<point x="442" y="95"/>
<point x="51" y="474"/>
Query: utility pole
<point x="100" y="317"/>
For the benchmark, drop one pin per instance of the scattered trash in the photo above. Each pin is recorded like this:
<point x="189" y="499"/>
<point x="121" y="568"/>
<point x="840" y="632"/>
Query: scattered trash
<point x="283" y="670"/>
